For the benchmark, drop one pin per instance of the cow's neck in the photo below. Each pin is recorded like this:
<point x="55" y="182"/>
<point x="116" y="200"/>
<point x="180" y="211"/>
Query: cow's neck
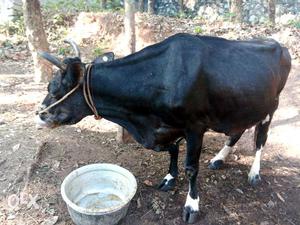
<point x="128" y="84"/>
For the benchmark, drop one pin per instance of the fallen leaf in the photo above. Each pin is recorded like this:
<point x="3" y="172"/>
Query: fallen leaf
<point x="280" y="197"/>
<point x="139" y="204"/>
<point x="11" y="217"/>
<point x="148" y="183"/>
<point x="226" y="210"/>
<point x="239" y="191"/>
<point x="270" y="204"/>
<point x="50" y="221"/>
<point x="56" y="165"/>
<point x="2" y="162"/>
<point x="2" y="122"/>
<point x="235" y="157"/>
<point x="16" y="147"/>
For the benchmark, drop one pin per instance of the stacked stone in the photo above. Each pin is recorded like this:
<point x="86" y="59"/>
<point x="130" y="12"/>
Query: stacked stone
<point x="167" y="7"/>
<point x="254" y="11"/>
<point x="212" y="10"/>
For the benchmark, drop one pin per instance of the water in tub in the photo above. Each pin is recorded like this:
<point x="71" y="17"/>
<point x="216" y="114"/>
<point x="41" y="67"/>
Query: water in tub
<point x="103" y="199"/>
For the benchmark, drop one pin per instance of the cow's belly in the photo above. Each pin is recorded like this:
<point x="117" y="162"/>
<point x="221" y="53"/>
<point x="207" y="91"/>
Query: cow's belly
<point x="230" y="129"/>
<point x="237" y="122"/>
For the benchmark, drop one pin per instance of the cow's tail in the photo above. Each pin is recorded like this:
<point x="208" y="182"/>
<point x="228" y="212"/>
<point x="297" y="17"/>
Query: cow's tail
<point x="285" y="67"/>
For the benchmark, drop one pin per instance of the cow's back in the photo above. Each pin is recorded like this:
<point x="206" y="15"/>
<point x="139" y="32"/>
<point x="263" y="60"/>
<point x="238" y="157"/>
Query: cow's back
<point x="242" y="82"/>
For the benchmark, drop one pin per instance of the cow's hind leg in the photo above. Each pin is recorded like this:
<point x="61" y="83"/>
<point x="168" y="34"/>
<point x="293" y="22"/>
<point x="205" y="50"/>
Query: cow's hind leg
<point x="169" y="181"/>
<point x="218" y="161"/>
<point x="260" y="138"/>
<point x="191" y="207"/>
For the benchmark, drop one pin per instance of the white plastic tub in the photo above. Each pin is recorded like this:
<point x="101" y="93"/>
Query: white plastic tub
<point x="98" y="194"/>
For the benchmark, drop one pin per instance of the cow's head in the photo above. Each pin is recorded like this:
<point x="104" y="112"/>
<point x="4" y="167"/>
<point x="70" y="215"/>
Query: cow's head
<point x="66" y="84"/>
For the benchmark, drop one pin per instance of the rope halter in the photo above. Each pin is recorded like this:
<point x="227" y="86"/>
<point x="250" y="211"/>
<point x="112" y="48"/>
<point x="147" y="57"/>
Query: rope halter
<point x="86" y="93"/>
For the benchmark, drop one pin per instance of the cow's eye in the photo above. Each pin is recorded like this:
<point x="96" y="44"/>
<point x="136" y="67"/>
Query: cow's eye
<point x="55" y="86"/>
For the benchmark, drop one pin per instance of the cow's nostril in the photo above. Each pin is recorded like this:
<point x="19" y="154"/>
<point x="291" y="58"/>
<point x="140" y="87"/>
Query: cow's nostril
<point x="40" y="109"/>
<point x="42" y="115"/>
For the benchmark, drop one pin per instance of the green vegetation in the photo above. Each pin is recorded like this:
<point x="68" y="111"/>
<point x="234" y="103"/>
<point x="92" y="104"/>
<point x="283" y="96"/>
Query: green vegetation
<point x="198" y="30"/>
<point x="7" y="44"/>
<point x="228" y="16"/>
<point x="14" y="27"/>
<point x="64" y="51"/>
<point x="97" y="51"/>
<point x="295" y="23"/>
<point x="72" y="6"/>
<point x="181" y="15"/>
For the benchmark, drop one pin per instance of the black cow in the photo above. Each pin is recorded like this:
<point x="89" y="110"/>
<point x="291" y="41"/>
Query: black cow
<point x="178" y="88"/>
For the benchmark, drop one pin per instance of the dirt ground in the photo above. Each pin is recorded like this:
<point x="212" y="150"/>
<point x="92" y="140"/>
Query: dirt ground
<point x="40" y="159"/>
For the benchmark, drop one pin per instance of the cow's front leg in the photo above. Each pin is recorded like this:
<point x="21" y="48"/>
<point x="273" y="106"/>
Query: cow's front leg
<point x="191" y="207"/>
<point x="169" y="181"/>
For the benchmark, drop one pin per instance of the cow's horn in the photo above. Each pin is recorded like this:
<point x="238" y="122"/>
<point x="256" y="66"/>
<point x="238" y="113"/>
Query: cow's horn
<point x="74" y="46"/>
<point x="55" y="61"/>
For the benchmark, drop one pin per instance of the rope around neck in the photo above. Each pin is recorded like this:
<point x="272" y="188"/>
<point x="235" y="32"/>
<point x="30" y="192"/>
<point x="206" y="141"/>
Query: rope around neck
<point x="88" y="95"/>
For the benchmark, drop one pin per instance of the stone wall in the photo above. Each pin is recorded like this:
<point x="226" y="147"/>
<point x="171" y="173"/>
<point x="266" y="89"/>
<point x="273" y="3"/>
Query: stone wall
<point x="254" y="11"/>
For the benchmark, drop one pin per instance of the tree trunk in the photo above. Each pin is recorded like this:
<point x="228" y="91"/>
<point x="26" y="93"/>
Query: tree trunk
<point x="151" y="6"/>
<point x="181" y="5"/>
<point x="272" y="11"/>
<point x="236" y="10"/>
<point x="103" y="4"/>
<point x="129" y="24"/>
<point x="37" y="40"/>
<point x="140" y="5"/>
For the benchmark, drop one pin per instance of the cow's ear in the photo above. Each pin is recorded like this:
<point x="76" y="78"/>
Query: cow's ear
<point x="73" y="73"/>
<point x="106" y="57"/>
<point x="78" y="72"/>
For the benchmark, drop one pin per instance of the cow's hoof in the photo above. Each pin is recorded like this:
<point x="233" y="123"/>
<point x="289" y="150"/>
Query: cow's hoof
<point x="216" y="164"/>
<point x="167" y="185"/>
<point x="254" y="180"/>
<point x="190" y="216"/>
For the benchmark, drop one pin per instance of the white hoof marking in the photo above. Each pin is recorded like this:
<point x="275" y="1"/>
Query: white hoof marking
<point x="192" y="203"/>
<point x="168" y="178"/>
<point x="222" y="154"/>
<point x="255" y="168"/>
